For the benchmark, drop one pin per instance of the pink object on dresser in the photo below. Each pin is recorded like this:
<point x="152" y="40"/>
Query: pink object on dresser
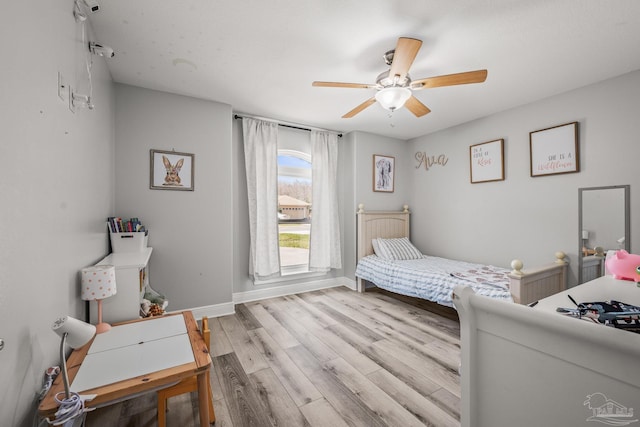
<point x="623" y="265"/>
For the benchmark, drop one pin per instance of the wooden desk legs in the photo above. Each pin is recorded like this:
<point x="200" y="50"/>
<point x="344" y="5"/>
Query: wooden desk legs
<point x="203" y="398"/>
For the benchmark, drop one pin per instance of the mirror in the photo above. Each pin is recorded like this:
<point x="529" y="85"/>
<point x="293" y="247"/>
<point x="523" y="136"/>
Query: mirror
<point x="603" y="225"/>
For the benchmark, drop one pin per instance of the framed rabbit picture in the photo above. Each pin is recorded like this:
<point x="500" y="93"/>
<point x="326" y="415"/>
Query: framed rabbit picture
<point x="170" y="170"/>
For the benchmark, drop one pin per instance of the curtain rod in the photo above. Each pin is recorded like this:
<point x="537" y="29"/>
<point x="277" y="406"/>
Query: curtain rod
<point x="240" y="116"/>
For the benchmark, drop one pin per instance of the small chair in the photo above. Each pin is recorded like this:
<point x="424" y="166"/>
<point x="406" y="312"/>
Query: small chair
<point x="187" y="385"/>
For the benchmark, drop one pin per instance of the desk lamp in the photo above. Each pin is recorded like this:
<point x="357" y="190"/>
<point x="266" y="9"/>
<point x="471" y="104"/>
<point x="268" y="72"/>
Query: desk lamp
<point x="75" y="333"/>
<point x="98" y="283"/>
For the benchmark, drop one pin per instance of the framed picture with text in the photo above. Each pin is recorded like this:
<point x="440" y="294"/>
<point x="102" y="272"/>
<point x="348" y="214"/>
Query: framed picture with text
<point x="384" y="169"/>
<point x="170" y="170"/>
<point x="554" y="150"/>
<point x="487" y="161"/>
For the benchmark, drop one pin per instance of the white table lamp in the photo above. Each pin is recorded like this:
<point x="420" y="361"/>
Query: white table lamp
<point x="98" y="283"/>
<point x="75" y="333"/>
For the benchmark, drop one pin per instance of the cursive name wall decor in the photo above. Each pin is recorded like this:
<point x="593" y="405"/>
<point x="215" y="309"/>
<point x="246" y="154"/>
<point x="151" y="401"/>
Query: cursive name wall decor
<point x="428" y="161"/>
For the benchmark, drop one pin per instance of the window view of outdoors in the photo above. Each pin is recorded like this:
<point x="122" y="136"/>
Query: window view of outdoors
<point x="294" y="210"/>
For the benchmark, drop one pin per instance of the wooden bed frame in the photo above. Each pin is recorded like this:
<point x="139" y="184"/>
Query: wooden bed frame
<point x="526" y="286"/>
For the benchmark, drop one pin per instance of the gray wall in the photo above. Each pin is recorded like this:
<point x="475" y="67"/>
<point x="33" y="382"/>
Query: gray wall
<point x="366" y="145"/>
<point x="524" y="217"/>
<point x="190" y="231"/>
<point x="356" y="154"/>
<point x="57" y="189"/>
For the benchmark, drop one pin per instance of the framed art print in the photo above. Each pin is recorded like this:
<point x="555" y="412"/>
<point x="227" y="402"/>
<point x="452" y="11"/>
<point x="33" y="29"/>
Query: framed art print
<point x="383" y="173"/>
<point x="170" y="170"/>
<point x="486" y="161"/>
<point x="554" y="150"/>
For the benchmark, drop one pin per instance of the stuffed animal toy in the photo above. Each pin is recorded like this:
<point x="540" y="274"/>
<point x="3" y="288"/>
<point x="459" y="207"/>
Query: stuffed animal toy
<point x="624" y="266"/>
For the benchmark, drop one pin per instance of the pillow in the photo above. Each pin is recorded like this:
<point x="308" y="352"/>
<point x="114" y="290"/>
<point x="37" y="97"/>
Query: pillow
<point x="376" y="248"/>
<point x="397" y="249"/>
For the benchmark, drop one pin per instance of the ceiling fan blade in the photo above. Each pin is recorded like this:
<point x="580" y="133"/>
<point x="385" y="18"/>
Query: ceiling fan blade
<point x="359" y="108"/>
<point x="405" y="53"/>
<point x="344" y="85"/>
<point x="416" y="107"/>
<point x="477" y="76"/>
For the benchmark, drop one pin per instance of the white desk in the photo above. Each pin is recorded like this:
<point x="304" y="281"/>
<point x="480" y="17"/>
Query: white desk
<point x="137" y="357"/>
<point x="134" y="349"/>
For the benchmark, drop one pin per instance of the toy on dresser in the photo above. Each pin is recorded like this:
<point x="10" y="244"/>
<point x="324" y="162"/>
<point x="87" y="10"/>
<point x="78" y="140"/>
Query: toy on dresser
<point x="624" y="266"/>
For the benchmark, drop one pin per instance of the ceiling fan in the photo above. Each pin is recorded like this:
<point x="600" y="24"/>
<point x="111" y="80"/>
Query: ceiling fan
<point x="394" y="87"/>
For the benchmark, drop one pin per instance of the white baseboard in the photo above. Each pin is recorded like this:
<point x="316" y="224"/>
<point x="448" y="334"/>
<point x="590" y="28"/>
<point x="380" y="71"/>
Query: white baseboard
<point x="227" y="308"/>
<point x="279" y="291"/>
<point x="216" y="310"/>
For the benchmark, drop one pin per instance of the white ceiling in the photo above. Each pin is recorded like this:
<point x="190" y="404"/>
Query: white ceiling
<point x="260" y="56"/>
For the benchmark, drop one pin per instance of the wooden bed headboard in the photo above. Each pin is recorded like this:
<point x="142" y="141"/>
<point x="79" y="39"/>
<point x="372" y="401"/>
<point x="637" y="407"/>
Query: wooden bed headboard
<point x="380" y="224"/>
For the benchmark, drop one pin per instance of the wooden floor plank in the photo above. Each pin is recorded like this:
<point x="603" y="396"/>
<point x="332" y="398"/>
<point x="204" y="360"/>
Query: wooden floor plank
<point x="272" y="326"/>
<point x="246" y="352"/>
<point x="434" y="371"/>
<point x="447" y="401"/>
<point x="336" y="343"/>
<point x="400" y="318"/>
<point x="182" y="410"/>
<point x="389" y="411"/>
<point x="350" y="322"/>
<point x="384" y="325"/>
<point x="353" y="299"/>
<point x="223" y="417"/>
<point x="219" y="342"/>
<point x="427" y="410"/>
<point x="411" y="375"/>
<point x="280" y="312"/>
<point x="279" y="407"/>
<point x="299" y="387"/>
<point x="348" y="405"/>
<point x="245" y="316"/>
<point x="320" y="413"/>
<point x="243" y="402"/>
<point x="318" y="316"/>
<point x="450" y="327"/>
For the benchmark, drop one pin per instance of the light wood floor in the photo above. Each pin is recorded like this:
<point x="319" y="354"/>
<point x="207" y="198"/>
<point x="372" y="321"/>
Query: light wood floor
<point x="325" y="358"/>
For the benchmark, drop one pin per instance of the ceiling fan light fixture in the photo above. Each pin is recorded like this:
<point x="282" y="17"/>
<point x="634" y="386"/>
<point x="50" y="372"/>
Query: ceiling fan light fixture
<point x="393" y="97"/>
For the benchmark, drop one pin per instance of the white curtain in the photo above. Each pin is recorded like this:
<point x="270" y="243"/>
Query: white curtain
<point x="261" y="162"/>
<point x="324" y="246"/>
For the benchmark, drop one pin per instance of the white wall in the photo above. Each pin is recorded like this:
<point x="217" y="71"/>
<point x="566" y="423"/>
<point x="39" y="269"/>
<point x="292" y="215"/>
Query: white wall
<point x="190" y="231"/>
<point x="56" y="189"/>
<point x="524" y="217"/>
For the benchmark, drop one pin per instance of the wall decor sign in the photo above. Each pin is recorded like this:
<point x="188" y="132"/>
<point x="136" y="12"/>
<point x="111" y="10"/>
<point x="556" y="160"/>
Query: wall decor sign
<point x="554" y="150"/>
<point x="170" y="170"/>
<point x="428" y="161"/>
<point x="486" y="161"/>
<point x="384" y="169"/>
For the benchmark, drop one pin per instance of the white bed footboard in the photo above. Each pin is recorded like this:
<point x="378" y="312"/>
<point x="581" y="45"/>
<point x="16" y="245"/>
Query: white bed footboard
<point x="524" y="367"/>
<point x="531" y="285"/>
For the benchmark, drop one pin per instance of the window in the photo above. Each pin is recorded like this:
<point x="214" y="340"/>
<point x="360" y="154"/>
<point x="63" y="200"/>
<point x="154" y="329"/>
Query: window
<point x="294" y="210"/>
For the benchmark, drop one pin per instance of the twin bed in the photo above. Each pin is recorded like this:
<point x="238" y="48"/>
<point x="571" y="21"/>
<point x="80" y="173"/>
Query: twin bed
<point x="401" y="271"/>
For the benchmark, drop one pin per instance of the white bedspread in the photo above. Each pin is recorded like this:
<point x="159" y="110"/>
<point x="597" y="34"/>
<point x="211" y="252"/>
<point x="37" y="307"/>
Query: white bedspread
<point x="434" y="278"/>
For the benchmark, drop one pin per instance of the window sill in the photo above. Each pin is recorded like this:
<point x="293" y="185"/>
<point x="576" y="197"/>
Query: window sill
<point x="290" y="274"/>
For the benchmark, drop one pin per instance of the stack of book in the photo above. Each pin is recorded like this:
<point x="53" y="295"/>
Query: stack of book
<point x="118" y="225"/>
